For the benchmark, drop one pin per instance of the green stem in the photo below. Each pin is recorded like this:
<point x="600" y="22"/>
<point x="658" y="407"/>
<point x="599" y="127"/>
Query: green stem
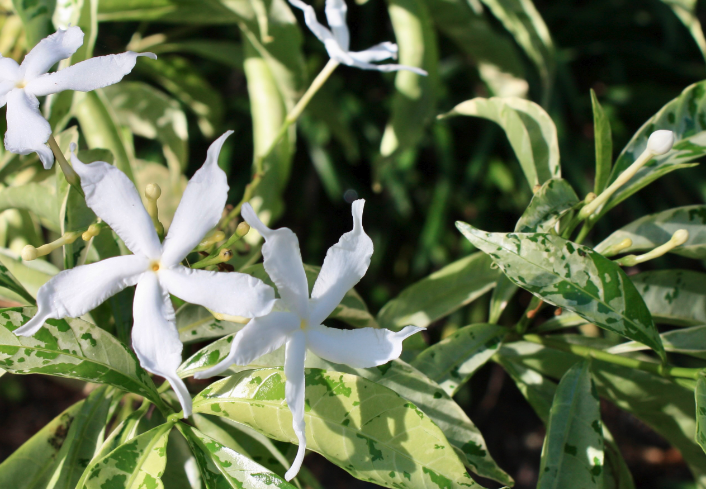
<point x="588" y="352"/>
<point x="71" y="176"/>
<point x="529" y="314"/>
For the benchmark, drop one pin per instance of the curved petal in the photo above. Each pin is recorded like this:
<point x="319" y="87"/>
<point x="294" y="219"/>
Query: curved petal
<point x="385" y="68"/>
<point x="259" y="337"/>
<point x="294" y="394"/>
<point x="113" y="197"/>
<point x="74" y="292"/>
<point x="155" y="338"/>
<point x="311" y="21"/>
<point x="345" y="264"/>
<point x="9" y="70"/>
<point x="336" y="11"/>
<point x="49" y="51"/>
<point x="358" y="348"/>
<point x="27" y="131"/>
<point x="283" y="263"/>
<point x="235" y="294"/>
<point x="379" y="52"/>
<point x="87" y="75"/>
<point x="200" y="208"/>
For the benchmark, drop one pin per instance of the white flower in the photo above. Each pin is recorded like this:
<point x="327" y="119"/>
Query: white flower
<point x="20" y="85"/>
<point x="297" y="319"/>
<point x="337" y="40"/>
<point x="155" y="268"/>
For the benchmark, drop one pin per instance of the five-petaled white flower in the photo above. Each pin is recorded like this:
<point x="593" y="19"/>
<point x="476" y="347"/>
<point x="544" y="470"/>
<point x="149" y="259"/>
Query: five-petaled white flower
<point x="296" y="319"/>
<point x="20" y="85"/>
<point x="154" y="267"/>
<point x="337" y="40"/>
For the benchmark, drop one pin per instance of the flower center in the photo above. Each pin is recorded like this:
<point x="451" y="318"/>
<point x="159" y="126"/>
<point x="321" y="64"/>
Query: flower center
<point x="21" y="84"/>
<point x="303" y="325"/>
<point x="154" y="266"/>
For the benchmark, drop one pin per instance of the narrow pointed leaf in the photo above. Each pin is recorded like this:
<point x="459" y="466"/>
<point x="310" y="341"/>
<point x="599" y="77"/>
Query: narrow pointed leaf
<point x="604" y="145"/>
<point x="675" y="297"/>
<point x="700" y="394"/>
<point x="571" y="276"/>
<point x="9" y="282"/>
<point x="504" y="290"/>
<point x="548" y="205"/>
<point x="573" y="447"/>
<point x="124" y="432"/>
<point x="363" y="427"/>
<point x="685" y="10"/>
<point x="71" y="348"/>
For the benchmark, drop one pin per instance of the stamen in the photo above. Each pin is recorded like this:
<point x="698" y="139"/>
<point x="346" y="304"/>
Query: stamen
<point x="155" y="266"/>
<point x="21" y="84"/>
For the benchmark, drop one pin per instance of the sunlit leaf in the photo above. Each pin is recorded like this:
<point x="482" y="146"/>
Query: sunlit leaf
<point x="36" y="17"/>
<point x="674" y="296"/>
<point x="548" y="205"/>
<point x="196" y="323"/>
<point x="604" y="145"/>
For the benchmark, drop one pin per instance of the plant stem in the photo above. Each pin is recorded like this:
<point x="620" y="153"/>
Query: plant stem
<point x="588" y="352"/>
<point x="532" y="308"/>
<point x="71" y="176"/>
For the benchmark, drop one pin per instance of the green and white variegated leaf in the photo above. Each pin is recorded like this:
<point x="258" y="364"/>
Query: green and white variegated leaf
<point x="530" y="130"/>
<point x="566" y="319"/>
<point x="71" y="348"/>
<point x="124" y="432"/>
<point x="365" y="428"/>
<point x="573" y="446"/>
<point x="31" y="274"/>
<point x="604" y="145"/>
<point x="685" y="10"/>
<point x="454" y="360"/>
<point x="83" y="440"/>
<point x="700" y="395"/>
<point x="196" y="323"/>
<point x="675" y="297"/>
<point x="440" y="294"/>
<point x="31" y="465"/>
<point x="504" y="290"/>
<point x="352" y="309"/>
<point x="687" y="341"/>
<point x="223" y="467"/>
<point x="656" y="229"/>
<point x="548" y="205"/>
<point x="571" y="276"/>
<point x="137" y="464"/>
<point x="182" y="471"/>
<point x="37" y="198"/>
<point x="685" y="116"/>
<point x="36" y="17"/>
<point x="9" y="282"/>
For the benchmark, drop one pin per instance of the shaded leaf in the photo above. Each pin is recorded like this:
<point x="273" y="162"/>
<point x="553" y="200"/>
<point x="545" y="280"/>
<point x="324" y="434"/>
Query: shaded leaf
<point x="37" y="198"/>
<point x="604" y="145"/>
<point x="548" y="205"/>
<point x="9" y="282"/>
<point x="504" y="290"/>
<point x="700" y="394"/>
<point x="685" y="10"/>
<point x="674" y="296"/>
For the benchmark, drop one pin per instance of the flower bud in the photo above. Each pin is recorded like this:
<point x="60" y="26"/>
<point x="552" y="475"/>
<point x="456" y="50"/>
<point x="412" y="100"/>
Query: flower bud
<point x="660" y="142"/>
<point x="152" y="191"/>
<point x="29" y="253"/>
<point x="680" y="237"/>
<point x="590" y="197"/>
<point x="242" y="229"/>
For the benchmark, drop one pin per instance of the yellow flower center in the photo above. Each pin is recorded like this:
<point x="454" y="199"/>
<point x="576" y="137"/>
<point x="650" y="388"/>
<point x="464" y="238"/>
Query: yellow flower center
<point x="155" y="266"/>
<point x="303" y="325"/>
<point x="21" y="84"/>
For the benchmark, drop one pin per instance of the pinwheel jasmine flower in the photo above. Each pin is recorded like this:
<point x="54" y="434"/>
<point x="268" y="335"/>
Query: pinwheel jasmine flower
<point x="154" y="267"/>
<point x="337" y="39"/>
<point x="297" y="320"/>
<point x="20" y="85"/>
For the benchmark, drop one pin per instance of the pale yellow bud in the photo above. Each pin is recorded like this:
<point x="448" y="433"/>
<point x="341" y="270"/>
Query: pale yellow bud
<point x="242" y="229"/>
<point x="152" y="191"/>
<point x="29" y="253"/>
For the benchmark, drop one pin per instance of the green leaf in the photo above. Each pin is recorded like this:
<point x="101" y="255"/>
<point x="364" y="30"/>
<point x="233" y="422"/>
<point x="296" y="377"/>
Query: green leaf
<point x="228" y="53"/>
<point x="223" y="467"/>
<point x="9" y="282"/>
<point x="687" y="341"/>
<point x="31" y="275"/>
<point x="182" y="471"/>
<point x="604" y="145"/>
<point x="363" y="427"/>
<point x="686" y="117"/>
<point x="573" y="447"/>
<point x="504" y="290"/>
<point x="571" y="276"/>
<point x="700" y="395"/>
<point x="453" y="361"/>
<point x="196" y="323"/>
<point x="674" y="296"/>
<point x="656" y="229"/>
<point x="685" y="10"/>
<point x="124" y="432"/>
<point x="170" y="11"/>
<point x="440" y="294"/>
<point x="38" y="198"/>
<point x="548" y="205"/>
<point x="71" y="348"/>
<point x="414" y="102"/>
<point x="151" y="114"/>
<point x="36" y="17"/>
<point x="83" y="439"/>
<point x="529" y="129"/>
<point x="31" y="465"/>
<point x="137" y="464"/>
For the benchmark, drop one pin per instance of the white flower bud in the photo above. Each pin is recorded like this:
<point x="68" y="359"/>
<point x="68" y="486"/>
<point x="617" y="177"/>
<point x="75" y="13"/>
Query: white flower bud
<point x="29" y="253"/>
<point x="680" y="237"/>
<point x="152" y="191"/>
<point x="660" y="142"/>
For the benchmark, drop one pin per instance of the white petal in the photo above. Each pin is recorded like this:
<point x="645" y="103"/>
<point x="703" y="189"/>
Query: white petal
<point x="283" y="263"/>
<point x="379" y="52"/>
<point x="345" y="264"/>
<point x="259" y="337"/>
<point x="235" y="294"/>
<point x="310" y="19"/>
<point x="74" y="292"/>
<point x="336" y="11"/>
<point x="358" y="348"/>
<point x="200" y="209"/>
<point x="87" y="75"/>
<point x="50" y="51"/>
<point x="155" y="338"/>
<point x="9" y="70"/>
<point x="385" y="68"/>
<point x="114" y="198"/>
<point x="294" y="394"/>
<point x="27" y="131"/>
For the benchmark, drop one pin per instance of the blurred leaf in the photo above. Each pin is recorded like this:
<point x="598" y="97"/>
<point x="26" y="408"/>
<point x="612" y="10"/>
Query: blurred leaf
<point x="36" y="16"/>
<point x="8" y="281"/>
<point x="656" y="229"/>
<point x="38" y="198"/>
<point x="30" y="466"/>
<point x="571" y="276"/>
<point x="169" y="11"/>
<point x="674" y="296"/>
<point x="685" y="10"/>
<point x="137" y="464"/>
<point x="700" y="394"/>
<point x="226" y="52"/>
<point x="504" y="290"/>
<point x="440" y="294"/>
<point x="686" y="116"/>
<point x="196" y="323"/>
<point x="182" y="471"/>
<point x="151" y="114"/>
<point x="31" y="275"/>
<point x="529" y="129"/>
<point x="604" y="145"/>
<point x="223" y="467"/>
<point x="453" y="361"/>
<point x="71" y="348"/>
<point x="548" y="205"/>
<point x="573" y="446"/>
<point x="387" y="439"/>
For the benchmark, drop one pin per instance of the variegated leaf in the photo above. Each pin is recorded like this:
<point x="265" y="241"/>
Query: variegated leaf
<point x="548" y="205"/>
<point x="196" y="323"/>
<point x="675" y="297"/>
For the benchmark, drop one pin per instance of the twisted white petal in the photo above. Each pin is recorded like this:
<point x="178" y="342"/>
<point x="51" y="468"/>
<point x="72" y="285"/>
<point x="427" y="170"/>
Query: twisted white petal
<point x="50" y="51"/>
<point x="294" y="394"/>
<point x="336" y="11"/>
<point x="27" y="130"/>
